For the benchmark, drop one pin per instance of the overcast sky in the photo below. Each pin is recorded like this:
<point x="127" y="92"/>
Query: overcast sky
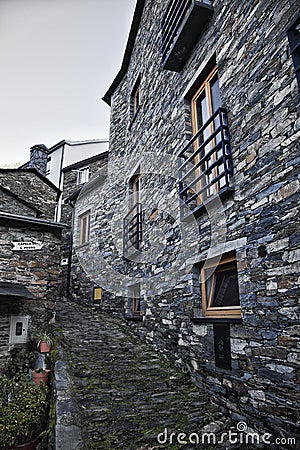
<point x="58" y="58"/>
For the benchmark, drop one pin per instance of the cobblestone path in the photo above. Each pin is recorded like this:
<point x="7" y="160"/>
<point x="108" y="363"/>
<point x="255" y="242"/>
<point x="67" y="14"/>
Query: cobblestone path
<point x="127" y="394"/>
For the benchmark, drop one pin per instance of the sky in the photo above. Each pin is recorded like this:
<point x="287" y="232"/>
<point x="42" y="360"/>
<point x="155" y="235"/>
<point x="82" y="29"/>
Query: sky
<point x="58" y="58"/>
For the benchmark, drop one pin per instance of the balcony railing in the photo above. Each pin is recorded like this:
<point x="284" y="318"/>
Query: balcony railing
<point x="205" y="165"/>
<point x="182" y="25"/>
<point x="132" y="231"/>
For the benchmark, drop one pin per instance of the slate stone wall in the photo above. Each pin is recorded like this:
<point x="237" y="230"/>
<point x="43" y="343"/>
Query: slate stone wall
<point x="76" y="283"/>
<point x="38" y="271"/>
<point x="13" y="206"/>
<point x="28" y="186"/>
<point x="259" y="90"/>
<point x="70" y="181"/>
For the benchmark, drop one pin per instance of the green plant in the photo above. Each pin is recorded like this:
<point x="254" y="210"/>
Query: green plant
<point x="44" y="337"/>
<point x="39" y="370"/>
<point x="23" y="411"/>
<point x="20" y="362"/>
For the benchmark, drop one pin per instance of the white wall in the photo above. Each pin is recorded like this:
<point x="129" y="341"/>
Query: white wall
<point x="78" y="152"/>
<point x="54" y="166"/>
<point x="70" y="153"/>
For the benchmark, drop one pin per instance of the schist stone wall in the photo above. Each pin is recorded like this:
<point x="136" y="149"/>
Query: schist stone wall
<point x="76" y="283"/>
<point x="12" y="204"/>
<point x="37" y="270"/>
<point x="25" y="197"/>
<point x="70" y="185"/>
<point x="32" y="187"/>
<point x="258" y="88"/>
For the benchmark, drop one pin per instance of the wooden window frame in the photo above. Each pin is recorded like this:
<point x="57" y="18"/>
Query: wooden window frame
<point x="204" y="87"/>
<point x="84" y="231"/>
<point x="233" y="312"/>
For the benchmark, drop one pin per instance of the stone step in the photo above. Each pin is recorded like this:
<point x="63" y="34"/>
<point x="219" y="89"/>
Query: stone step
<point x="126" y="393"/>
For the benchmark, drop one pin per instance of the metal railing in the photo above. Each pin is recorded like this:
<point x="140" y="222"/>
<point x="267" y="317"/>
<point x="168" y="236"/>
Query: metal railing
<point x="205" y="163"/>
<point x="132" y="230"/>
<point x="172" y="20"/>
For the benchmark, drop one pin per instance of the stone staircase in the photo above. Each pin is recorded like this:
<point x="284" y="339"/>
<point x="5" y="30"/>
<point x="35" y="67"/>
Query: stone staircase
<point x="114" y="392"/>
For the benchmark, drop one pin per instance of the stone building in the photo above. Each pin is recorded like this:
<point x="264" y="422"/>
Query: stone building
<point x="75" y="176"/>
<point x="69" y="165"/>
<point x="192" y="234"/>
<point x="64" y="156"/>
<point x="30" y="255"/>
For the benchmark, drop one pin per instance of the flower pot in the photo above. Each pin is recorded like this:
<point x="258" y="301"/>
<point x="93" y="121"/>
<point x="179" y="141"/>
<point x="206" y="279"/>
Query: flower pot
<point x="44" y="347"/>
<point x="38" y="377"/>
<point x="31" y="445"/>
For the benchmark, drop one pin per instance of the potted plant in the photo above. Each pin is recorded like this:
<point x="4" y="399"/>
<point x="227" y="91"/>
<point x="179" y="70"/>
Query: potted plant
<point x="40" y="375"/>
<point x="23" y="413"/>
<point x="44" y="343"/>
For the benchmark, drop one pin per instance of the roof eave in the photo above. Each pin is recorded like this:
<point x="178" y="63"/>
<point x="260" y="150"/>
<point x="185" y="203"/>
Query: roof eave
<point x="15" y="219"/>
<point x="128" y="51"/>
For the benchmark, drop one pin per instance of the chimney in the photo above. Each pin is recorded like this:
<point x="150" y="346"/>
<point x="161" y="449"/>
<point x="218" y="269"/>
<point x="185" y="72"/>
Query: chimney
<point x="38" y="158"/>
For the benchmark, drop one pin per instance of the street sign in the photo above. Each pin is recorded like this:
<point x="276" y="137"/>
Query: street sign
<point x="28" y="245"/>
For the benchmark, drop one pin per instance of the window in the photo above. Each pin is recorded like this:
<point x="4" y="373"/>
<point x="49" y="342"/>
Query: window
<point x="83" y="175"/>
<point x="134" y="189"/>
<point x="135" y="99"/>
<point x="84" y="231"/>
<point x="135" y="295"/>
<point x="220" y="290"/>
<point x="205" y="163"/>
<point x="132" y="228"/>
<point x="293" y="33"/>
<point x="205" y="103"/>
<point x="133" y="304"/>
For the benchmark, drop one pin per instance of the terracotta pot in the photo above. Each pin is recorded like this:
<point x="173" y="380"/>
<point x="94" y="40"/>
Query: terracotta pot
<point x="31" y="445"/>
<point x="38" y="377"/>
<point x="44" y="347"/>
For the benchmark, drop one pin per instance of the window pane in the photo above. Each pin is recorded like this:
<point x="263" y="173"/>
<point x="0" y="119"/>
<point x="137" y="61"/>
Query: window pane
<point x="136" y="305"/>
<point x="83" y="175"/>
<point x="202" y="115"/>
<point x="215" y="94"/>
<point x="226" y="291"/>
<point x="84" y="229"/>
<point x="84" y="220"/>
<point x="208" y="288"/>
<point x="136" y="189"/>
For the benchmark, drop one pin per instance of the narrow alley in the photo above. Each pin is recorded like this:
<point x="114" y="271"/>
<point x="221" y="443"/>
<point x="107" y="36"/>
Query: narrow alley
<point x="120" y="394"/>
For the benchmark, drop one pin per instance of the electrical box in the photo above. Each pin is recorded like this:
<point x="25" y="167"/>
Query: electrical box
<point x="18" y="330"/>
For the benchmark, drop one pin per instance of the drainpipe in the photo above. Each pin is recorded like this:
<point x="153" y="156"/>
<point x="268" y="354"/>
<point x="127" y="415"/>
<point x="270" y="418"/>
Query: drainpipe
<point x="70" y="248"/>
